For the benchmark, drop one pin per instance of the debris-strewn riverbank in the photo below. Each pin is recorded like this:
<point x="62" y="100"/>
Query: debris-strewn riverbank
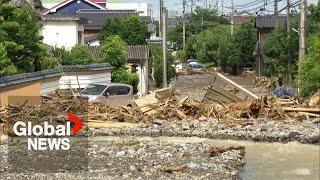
<point x="260" y="130"/>
<point x="132" y="159"/>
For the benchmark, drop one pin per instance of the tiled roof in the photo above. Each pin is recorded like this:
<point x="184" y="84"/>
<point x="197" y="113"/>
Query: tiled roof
<point x="97" y="18"/>
<point x="137" y="52"/>
<point x="27" y="77"/>
<point x="268" y="21"/>
<point x="34" y="76"/>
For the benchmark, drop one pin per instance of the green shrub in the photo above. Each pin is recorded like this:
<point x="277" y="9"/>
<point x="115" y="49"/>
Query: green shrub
<point x="122" y="76"/>
<point x="113" y="51"/>
<point x="158" y="70"/>
<point x="79" y="55"/>
<point x="309" y="72"/>
<point x="157" y="64"/>
<point x="181" y="55"/>
<point x="50" y="62"/>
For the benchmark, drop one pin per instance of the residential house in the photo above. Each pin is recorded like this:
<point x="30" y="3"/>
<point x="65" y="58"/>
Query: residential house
<point x="62" y="31"/>
<point x="97" y="18"/>
<point x="51" y="3"/>
<point x="264" y="25"/>
<point x="144" y="9"/>
<point x="70" y="7"/>
<point x="242" y="17"/>
<point x="138" y="58"/>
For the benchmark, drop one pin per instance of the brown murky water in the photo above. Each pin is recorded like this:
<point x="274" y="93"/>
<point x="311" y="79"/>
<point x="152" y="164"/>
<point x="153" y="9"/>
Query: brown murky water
<point x="267" y="161"/>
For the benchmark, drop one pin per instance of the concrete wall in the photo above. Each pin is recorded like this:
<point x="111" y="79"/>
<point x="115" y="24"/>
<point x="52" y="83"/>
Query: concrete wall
<point x="62" y="33"/>
<point x="85" y="78"/>
<point x="18" y="94"/>
<point x="32" y="91"/>
<point x="49" y="85"/>
<point x="144" y="79"/>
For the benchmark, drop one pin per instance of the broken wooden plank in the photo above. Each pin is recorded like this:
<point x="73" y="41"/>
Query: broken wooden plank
<point x="238" y="86"/>
<point x="145" y="102"/>
<point x="310" y="110"/>
<point x="215" y="93"/>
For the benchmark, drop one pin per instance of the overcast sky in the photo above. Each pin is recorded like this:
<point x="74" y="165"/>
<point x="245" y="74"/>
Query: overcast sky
<point x="176" y="5"/>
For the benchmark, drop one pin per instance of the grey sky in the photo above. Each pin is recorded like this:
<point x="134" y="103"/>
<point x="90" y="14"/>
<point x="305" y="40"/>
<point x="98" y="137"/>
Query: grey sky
<point x="176" y="5"/>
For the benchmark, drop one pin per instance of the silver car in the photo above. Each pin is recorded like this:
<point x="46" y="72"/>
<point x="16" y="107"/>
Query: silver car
<point x="112" y="94"/>
<point x="196" y="68"/>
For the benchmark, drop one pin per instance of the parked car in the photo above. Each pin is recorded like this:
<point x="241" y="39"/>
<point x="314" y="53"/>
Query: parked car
<point x="112" y="94"/>
<point x="192" y="61"/>
<point x="196" y="68"/>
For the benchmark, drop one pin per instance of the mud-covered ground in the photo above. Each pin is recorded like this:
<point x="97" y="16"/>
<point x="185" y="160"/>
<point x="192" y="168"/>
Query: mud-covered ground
<point x="122" y="158"/>
<point x="262" y="130"/>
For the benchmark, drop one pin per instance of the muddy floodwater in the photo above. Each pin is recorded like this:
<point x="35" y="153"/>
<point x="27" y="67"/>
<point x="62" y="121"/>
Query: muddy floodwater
<point x="265" y="161"/>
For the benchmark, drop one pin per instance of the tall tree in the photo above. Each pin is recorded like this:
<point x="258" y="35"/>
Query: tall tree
<point x="132" y="30"/>
<point x="135" y="31"/>
<point x="20" y="34"/>
<point x="113" y="51"/>
<point x="201" y="19"/>
<point x="6" y="66"/>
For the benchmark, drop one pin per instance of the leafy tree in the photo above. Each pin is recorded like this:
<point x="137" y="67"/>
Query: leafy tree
<point x="309" y="72"/>
<point x="113" y="51"/>
<point x="135" y="31"/>
<point x="6" y="66"/>
<point x="131" y="30"/>
<point x="112" y="27"/>
<point x="201" y="19"/>
<point x="157" y="64"/>
<point x="282" y="54"/>
<point x="20" y="35"/>
<point x="215" y="46"/>
<point x="79" y="55"/>
<point x="242" y="48"/>
<point x="207" y="44"/>
<point x="314" y="18"/>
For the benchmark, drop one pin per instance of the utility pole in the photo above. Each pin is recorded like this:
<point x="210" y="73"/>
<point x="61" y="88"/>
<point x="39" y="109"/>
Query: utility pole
<point x="288" y="37"/>
<point x="192" y="6"/>
<point x="184" y="25"/>
<point x="303" y="23"/>
<point x="276" y="12"/>
<point x="160" y="28"/>
<point x="164" y="47"/>
<point x="206" y="3"/>
<point x="221" y="7"/>
<point x="217" y="6"/>
<point x="288" y="17"/>
<point x="232" y="18"/>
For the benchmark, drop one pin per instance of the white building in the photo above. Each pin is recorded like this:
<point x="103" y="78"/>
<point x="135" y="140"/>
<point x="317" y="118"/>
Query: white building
<point x="62" y="31"/>
<point x="144" y="9"/>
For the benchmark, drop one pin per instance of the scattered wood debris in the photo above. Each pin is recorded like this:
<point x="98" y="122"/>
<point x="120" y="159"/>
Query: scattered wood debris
<point x="56" y="106"/>
<point x="216" y="151"/>
<point x="175" y="168"/>
<point x="315" y="100"/>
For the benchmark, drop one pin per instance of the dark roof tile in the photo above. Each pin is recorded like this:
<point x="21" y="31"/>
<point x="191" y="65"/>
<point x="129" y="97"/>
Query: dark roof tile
<point x="268" y="21"/>
<point x="97" y="18"/>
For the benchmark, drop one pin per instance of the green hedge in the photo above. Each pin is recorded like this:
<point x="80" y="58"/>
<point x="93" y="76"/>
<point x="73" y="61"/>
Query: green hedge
<point x="122" y="76"/>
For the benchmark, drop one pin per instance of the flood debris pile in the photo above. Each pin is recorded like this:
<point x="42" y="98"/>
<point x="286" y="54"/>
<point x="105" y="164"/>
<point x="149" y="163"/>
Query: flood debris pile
<point x="56" y="106"/>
